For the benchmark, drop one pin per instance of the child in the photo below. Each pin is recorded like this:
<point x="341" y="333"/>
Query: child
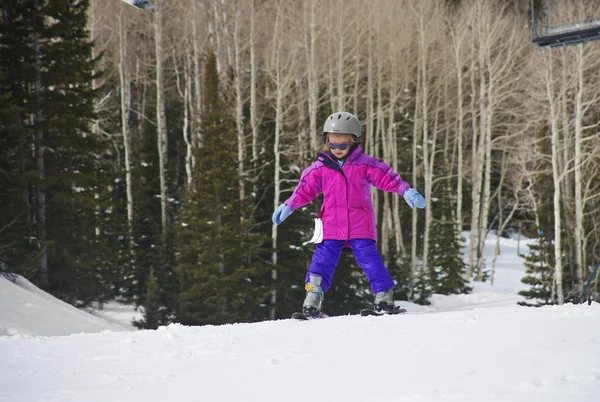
<point x="344" y="174"/>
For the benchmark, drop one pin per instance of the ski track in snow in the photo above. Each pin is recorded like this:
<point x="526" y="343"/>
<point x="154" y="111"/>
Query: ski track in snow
<point x="476" y="347"/>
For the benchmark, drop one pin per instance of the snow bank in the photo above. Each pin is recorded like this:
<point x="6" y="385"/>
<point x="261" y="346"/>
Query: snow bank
<point x="25" y="311"/>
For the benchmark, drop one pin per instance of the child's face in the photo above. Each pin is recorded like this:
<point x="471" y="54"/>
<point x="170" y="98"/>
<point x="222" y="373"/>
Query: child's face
<point x="337" y="138"/>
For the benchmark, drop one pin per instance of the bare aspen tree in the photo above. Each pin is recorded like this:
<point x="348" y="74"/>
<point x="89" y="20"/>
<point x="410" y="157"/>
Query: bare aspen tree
<point x="216" y="30"/>
<point x="281" y="62"/>
<point x="188" y="126"/>
<point x="39" y="150"/>
<point x="197" y="60"/>
<point x="426" y="18"/>
<point x="125" y="102"/>
<point x="476" y="168"/>
<point x="239" y="100"/>
<point x="415" y="148"/>
<point x="184" y="90"/>
<point x="580" y="61"/>
<point x="377" y="120"/>
<point x="161" y="119"/>
<point x="457" y="35"/>
<point x="253" y="73"/>
<point x="492" y="80"/>
<point x="331" y="50"/>
<point x="517" y="182"/>
<point x="398" y="47"/>
<point x="310" y="35"/>
<point x="386" y="225"/>
<point x="556" y="178"/>
<point x="341" y="24"/>
<point x="390" y="217"/>
<point x="587" y="96"/>
<point x="357" y="76"/>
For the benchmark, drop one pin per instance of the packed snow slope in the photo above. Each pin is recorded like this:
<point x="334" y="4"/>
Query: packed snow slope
<point x="478" y="347"/>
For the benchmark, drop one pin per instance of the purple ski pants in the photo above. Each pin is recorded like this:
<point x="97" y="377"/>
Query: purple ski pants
<point x="365" y="252"/>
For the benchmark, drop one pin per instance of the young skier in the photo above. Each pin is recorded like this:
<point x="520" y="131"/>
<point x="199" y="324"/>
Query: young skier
<point x="345" y="174"/>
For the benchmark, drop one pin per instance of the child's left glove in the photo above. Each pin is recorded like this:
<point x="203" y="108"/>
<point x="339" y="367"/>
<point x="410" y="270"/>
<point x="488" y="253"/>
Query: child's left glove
<point x="414" y="199"/>
<point x="281" y="213"/>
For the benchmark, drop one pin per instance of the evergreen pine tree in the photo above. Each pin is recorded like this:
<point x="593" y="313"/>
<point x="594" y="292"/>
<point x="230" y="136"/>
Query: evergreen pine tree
<point x="217" y="253"/>
<point x="153" y="311"/>
<point x="75" y="169"/>
<point x="18" y="246"/>
<point x="400" y="269"/>
<point x="422" y="289"/>
<point x="16" y="249"/>
<point x="62" y="103"/>
<point x="539" y="273"/>
<point x="448" y="269"/>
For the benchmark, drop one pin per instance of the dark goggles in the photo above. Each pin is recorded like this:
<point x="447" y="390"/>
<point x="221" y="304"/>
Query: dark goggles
<point x="342" y="147"/>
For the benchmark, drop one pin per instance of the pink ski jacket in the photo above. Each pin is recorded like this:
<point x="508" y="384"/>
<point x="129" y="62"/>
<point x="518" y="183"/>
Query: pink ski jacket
<point x="347" y="210"/>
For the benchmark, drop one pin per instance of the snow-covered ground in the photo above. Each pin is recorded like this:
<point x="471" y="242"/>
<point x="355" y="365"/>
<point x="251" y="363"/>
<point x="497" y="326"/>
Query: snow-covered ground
<point x="25" y="311"/>
<point x="479" y="347"/>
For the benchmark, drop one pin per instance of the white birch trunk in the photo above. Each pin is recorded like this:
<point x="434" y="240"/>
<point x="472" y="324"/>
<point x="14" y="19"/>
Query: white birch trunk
<point x="427" y="158"/>
<point x="502" y="223"/>
<point x="276" y="62"/>
<point x="341" y="104"/>
<point x="239" y="106"/>
<point x="197" y="58"/>
<point x="161" y="119"/>
<point x="357" y="77"/>
<point x="393" y="157"/>
<point x="476" y="167"/>
<point x="369" y="145"/>
<point x="313" y="83"/>
<point x="556" y="178"/>
<point x="579" y="251"/>
<point x="253" y="73"/>
<point x="415" y="149"/>
<point x="125" y="86"/>
<point x="187" y="131"/>
<point x="457" y="41"/>
<point x="39" y="149"/>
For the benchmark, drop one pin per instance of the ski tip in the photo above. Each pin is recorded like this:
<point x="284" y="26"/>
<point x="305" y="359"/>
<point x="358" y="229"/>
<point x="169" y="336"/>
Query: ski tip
<point x="302" y="317"/>
<point x="370" y="312"/>
<point x="299" y="316"/>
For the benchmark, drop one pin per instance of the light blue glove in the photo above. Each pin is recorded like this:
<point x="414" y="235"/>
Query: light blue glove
<point x="414" y="199"/>
<point x="281" y="213"/>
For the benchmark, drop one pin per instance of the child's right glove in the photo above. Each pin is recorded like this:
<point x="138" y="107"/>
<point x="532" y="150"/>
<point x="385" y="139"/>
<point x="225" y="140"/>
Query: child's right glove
<point x="414" y="199"/>
<point x="282" y="212"/>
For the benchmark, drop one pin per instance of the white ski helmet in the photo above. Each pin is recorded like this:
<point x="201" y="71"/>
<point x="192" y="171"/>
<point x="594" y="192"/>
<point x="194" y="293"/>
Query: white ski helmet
<point x="342" y="122"/>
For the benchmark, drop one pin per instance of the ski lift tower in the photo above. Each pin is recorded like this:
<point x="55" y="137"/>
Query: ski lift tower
<point x="550" y="36"/>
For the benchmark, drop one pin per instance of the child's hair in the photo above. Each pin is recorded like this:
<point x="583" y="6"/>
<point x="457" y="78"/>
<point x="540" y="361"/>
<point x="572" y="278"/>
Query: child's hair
<point x="326" y="147"/>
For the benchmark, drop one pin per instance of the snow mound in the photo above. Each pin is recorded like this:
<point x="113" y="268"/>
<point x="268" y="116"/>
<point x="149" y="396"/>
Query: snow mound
<point x="26" y="310"/>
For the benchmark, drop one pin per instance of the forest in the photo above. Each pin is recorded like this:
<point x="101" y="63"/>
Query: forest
<point x="143" y="152"/>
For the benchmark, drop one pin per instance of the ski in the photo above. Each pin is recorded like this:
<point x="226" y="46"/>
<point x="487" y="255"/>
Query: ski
<point x="365" y="312"/>
<point x="302" y="317"/>
<point x="141" y="4"/>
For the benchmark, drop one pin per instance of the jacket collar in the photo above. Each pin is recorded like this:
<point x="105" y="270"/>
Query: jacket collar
<point x="355" y="151"/>
<point x="330" y="161"/>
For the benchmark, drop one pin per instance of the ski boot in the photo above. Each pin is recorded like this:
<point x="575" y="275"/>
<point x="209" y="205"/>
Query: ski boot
<point x="383" y="305"/>
<point x="314" y="297"/>
<point x="384" y="301"/>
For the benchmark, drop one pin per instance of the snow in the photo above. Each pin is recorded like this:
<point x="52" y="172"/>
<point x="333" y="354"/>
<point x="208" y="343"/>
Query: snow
<point x="25" y="311"/>
<point x="478" y="347"/>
